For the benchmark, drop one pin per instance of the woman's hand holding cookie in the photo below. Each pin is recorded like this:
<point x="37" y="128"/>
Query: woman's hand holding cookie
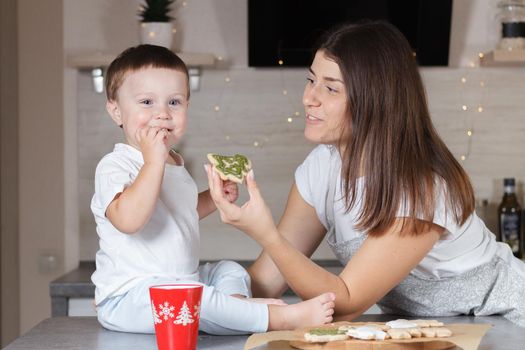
<point x="253" y="217"/>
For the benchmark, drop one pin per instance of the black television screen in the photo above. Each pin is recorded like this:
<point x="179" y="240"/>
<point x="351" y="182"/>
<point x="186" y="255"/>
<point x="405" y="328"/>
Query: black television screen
<point x="287" y="30"/>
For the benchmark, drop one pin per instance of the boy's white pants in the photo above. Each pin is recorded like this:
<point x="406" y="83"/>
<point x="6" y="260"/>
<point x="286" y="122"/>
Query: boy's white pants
<point x="220" y="313"/>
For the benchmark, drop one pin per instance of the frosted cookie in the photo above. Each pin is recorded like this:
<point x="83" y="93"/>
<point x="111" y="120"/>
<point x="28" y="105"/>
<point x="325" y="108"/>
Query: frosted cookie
<point x="370" y="332"/>
<point x="401" y="323"/>
<point x="323" y="335"/>
<point x="399" y="333"/>
<point x="232" y="168"/>
<point x="436" y="332"/>
<point x="427" y="323"/>
<point x="380" y="326"/>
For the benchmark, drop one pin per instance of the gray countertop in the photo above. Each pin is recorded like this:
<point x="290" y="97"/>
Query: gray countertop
<point x="61" y="333"/>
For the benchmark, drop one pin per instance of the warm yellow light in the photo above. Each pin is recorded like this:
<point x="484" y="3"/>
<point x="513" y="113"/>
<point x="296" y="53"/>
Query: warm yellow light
<point x="472" y="65"/>
<point x="463" y="80"/>
<point x="216" y="108"/>
<point x="464" y="107"/>
<point x="297" y="114"/>
<point x="482" y="83"/>
<point x="151" y="34"/>
<point x="480" y="109"/>
<point x="280" y="62"/>
<point x="285" y="92"/>
<point x="289" y="120"/>
<point x="227" y="79"/>
<point x="469" y="132"/>
<point x="481" y="55"/>
<point x="463" y="157"/>
<point x="184" y="3"/>
<point x="219" y="58"/>
<point x="256" y="143"/>
<point x="174" y="30"/>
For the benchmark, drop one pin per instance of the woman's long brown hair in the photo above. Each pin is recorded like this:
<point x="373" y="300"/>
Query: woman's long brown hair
<point x="392" y="140"/>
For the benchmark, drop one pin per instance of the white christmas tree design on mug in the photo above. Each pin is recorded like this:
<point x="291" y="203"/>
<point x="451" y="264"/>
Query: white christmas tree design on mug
<point x="184" y="317"/>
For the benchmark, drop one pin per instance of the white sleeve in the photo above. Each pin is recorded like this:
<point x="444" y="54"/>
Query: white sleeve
<point x="111" y="178"/>
<point x="443" y="214"/>
<point x="311" y="179"/>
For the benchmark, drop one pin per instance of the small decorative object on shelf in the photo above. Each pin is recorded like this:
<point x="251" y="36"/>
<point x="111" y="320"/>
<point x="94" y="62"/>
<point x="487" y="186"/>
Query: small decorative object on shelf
<point x="156" y="27"/>
<point x="512" y="17"/>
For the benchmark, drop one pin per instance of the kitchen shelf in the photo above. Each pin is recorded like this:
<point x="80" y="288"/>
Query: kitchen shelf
<point x="101" y="60"/>
<point x="503" y="58"/>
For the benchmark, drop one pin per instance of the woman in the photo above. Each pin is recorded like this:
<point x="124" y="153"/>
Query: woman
<point x="396" y="207"/>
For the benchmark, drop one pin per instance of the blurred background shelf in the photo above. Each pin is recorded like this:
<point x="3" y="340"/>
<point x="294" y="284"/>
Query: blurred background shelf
<point x="100" y="59"/>
<point x="503" y="58"/>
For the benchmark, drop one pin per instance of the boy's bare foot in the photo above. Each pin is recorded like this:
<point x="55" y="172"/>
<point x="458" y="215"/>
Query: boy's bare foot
<point x="313" y="312"/>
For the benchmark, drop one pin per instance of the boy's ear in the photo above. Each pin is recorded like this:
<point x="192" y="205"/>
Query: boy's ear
<point x="114" y="111"/>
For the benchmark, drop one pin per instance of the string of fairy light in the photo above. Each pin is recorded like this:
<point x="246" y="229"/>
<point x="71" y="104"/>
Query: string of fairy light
<point x="471" y="110"/>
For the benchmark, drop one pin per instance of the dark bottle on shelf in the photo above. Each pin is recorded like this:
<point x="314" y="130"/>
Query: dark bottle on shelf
<point x="509" y="216"/>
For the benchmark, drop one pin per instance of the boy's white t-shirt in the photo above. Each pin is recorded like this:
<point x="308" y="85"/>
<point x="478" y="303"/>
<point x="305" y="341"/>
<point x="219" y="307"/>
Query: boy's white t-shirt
<point x="461" y="248"/>
<point x="168" y="245"/>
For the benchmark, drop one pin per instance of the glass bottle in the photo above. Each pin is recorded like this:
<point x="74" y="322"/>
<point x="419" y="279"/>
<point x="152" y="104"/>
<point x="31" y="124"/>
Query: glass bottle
<point x="512" y="17"/>
<point x="509" y="215"/>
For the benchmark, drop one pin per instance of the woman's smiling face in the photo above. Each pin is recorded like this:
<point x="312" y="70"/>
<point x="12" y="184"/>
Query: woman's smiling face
<point x="325" y="101"/>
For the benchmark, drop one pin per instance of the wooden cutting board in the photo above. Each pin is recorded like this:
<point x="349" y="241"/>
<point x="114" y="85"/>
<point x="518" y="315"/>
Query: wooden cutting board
<point x="357" y="344"/>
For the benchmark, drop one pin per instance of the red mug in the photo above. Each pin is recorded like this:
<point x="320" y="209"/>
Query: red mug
<point x="176" y="313"/>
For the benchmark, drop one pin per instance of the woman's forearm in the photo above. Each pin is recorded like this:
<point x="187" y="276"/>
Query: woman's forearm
<point x="267" y="281"/>
<point x="306" y="278"/>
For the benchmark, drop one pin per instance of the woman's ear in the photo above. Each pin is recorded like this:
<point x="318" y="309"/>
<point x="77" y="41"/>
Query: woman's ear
<point x="114" y="111"/>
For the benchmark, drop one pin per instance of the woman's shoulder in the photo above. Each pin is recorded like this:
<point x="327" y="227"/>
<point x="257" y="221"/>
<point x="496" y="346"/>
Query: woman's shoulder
<point x="320" y="154"/>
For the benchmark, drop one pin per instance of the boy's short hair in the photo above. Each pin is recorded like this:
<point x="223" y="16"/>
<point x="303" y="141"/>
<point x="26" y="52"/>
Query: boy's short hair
<point x="138" y="57"/>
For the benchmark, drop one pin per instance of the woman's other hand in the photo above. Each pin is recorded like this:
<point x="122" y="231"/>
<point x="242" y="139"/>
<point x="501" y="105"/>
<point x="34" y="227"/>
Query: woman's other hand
<point x="253" y="217"/>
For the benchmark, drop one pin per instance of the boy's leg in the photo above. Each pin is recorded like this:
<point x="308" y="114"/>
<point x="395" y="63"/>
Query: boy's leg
<point x="227" y="277"/>
<point x="132" y="311"/>
<point x="223" y="314"/>
<point x="220" y="313"/>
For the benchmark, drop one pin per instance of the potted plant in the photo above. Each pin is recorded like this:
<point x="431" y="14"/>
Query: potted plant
<point x="155" y="26"/>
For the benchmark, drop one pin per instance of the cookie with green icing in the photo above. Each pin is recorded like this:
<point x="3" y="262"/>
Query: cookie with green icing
<point x="232" y="168"/>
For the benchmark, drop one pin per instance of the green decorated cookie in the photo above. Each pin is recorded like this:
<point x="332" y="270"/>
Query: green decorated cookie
<point x="232" y="168"/>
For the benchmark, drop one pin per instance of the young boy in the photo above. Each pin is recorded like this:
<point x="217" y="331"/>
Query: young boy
<point x="147" y="209"/>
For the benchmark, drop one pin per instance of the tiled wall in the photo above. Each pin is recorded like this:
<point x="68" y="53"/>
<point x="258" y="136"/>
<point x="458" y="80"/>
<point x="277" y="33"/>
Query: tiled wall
<point x="253" y="108"/>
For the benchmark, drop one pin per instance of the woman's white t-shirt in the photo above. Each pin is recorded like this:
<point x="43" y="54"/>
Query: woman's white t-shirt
<point x="167" y="246"/>
<point x="461" y="248"/>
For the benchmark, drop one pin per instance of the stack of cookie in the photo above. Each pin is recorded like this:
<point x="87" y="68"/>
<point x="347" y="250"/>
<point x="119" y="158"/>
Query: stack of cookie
<point x="397" y="329"/>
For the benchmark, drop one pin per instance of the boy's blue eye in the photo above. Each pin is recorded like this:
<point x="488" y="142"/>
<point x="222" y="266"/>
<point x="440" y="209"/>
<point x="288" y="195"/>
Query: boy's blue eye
<point x="146" y="102"/>
<point x="175" y="102"/>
